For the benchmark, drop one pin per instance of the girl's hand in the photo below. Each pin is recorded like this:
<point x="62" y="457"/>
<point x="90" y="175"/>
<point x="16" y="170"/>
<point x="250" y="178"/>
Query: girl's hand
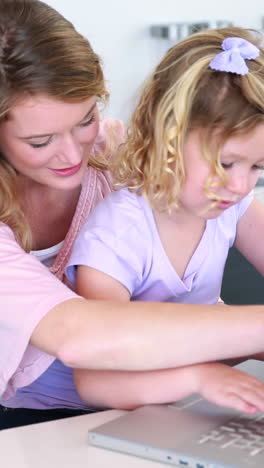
<point x="229" y="387"/>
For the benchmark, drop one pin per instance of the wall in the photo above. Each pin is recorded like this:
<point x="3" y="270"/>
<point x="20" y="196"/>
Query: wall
<point x="119" y="32"/>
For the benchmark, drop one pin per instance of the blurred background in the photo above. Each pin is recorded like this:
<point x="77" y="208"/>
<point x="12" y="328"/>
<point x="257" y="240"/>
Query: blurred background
<point x="120" y="32"/>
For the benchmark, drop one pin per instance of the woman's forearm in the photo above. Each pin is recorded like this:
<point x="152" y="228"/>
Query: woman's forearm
<point x="146" y="336"/>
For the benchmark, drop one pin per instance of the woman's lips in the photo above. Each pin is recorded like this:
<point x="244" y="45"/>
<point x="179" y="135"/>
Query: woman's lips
<point x="69" y="171"/>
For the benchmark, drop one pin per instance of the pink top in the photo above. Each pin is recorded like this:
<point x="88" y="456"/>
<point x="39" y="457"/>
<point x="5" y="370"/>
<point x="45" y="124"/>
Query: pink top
<point x="29" y="290"/>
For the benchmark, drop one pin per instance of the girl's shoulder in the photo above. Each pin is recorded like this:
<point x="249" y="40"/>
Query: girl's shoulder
<point x="120" y="208"/>
<point x="115" y="239"/>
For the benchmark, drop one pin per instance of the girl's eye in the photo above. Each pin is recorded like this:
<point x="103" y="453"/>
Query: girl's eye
<point x="226" y="165"/>
<point x="258" y="167"/>
<point x="88" y="122"/>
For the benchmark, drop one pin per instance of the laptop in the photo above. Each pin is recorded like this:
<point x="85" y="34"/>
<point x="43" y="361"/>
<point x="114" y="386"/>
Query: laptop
<point x="191" y="433"/>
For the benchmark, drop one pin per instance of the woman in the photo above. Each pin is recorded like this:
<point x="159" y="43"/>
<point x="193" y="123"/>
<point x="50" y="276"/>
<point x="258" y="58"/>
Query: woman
<point x="50" y="127"/>
<point x="50" y="130"/>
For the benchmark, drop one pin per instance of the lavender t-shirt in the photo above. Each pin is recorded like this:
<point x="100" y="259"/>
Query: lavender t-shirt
<point x="120" y="238"/>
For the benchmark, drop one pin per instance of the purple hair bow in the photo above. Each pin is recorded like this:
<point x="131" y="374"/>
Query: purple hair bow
<point x="232" y="60"/>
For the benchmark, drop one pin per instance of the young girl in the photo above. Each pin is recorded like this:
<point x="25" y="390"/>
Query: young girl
<point x="194" y="152"/>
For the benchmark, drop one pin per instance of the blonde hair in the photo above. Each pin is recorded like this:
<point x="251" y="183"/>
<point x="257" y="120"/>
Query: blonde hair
<point x="182" y="94"/>
<point x="40" y="52"/>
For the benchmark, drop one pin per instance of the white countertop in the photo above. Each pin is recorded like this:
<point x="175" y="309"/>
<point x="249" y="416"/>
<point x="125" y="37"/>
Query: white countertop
<point x="63" y="444"/>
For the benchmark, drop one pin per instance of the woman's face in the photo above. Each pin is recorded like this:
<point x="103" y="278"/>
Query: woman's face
<point x="48" y="141"/>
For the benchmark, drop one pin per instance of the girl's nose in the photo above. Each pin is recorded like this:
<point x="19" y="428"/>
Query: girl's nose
<point x="238" y="184"/>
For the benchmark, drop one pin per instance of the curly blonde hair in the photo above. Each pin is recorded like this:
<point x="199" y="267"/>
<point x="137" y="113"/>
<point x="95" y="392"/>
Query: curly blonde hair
<point x="40" y="52"/>
<point x="182" y="94"/>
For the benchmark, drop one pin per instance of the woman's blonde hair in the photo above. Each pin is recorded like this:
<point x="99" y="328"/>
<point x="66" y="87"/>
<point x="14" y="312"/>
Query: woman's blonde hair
<point x="183" y="94"/>
<point x="40" y="52"/>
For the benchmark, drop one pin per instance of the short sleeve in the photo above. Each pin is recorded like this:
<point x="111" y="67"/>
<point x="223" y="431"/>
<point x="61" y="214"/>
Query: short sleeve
<point x="227" y="222"/>
<point x="243" y="205"/>
<point x="28" y="292"/>
<point x="114" y="241"/>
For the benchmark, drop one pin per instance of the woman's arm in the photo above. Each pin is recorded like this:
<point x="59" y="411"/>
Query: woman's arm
<point x="145" y="335"/>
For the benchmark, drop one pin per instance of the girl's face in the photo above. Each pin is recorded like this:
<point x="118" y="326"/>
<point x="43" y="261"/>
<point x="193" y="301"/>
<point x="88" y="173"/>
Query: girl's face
<point x="48" y="141"/>
<point x="243" y="160"/>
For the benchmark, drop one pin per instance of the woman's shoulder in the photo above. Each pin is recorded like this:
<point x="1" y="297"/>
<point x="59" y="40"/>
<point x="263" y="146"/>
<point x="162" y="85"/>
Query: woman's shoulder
<point x="8" y="242"/>
<point x="5" y="231"/>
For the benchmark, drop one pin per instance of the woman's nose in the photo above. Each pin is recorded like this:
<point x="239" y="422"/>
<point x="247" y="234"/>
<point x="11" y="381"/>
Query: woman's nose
<point x="72" y="150"/>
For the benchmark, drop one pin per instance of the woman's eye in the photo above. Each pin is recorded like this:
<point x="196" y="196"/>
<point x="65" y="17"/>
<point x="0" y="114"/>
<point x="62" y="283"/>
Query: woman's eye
<point x="40" y="145"/>
<point x="88" y="122"/>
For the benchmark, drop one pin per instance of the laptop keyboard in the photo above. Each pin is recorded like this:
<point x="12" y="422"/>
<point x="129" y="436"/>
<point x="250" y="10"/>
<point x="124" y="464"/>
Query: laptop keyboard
<point x="242" y="432"/>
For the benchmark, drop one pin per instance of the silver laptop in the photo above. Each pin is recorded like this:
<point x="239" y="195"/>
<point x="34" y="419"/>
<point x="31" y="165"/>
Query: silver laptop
<point x="191" y="433"/>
